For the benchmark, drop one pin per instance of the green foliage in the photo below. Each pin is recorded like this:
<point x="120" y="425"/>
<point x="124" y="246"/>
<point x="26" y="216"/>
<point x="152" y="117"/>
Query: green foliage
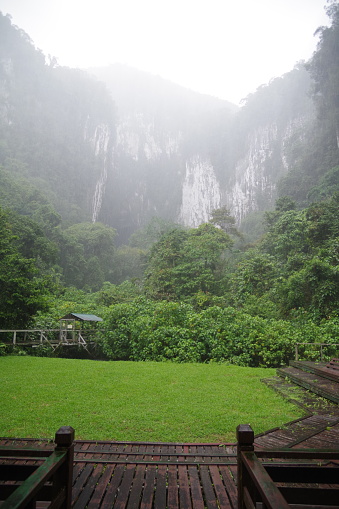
<point x="314" y="287"/>
<point x="3" y="349"/>
<point x="114" y="294"/>
<point x="64" y="301"/>
<point x="287" y="236"/>
<point x="185" y="262"/>
<point x="314" y="151"/>
<point x="222" y="218"/>
<point x="87" y="254"/>
<point x="328" y="186"/>
<point x="151" y="233"/>
<point x="324" y="68"/>
<point x="303" y="245"/>
<point x="159" y="331"/>
<point x="128" y="264"/>
<point x="255" y="275"/>
<point x="23" y="290"/>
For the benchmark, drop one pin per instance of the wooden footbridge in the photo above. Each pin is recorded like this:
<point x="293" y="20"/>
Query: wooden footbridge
<point x="291" y="467"/>
<point x="70" y="333"/>
<point x="53" y="338"/>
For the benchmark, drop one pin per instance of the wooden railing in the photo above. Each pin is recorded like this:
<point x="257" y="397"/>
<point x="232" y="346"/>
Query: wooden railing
<point x="318" y="346"/>
<point x="22" y="485"/>
<point x="51" y="337"/>
<point x="285" y="478"/>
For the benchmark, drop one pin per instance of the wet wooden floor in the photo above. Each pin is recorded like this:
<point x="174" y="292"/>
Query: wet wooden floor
<point x="160" y="475"/>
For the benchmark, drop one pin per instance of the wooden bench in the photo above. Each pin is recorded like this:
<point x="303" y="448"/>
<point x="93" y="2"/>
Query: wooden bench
<point x="34" y="477"/>
<point x="285" y="478"/>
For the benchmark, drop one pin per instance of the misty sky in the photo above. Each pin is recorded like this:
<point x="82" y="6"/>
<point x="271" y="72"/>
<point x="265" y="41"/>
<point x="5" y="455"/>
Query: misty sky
<point x="218" y="47"/>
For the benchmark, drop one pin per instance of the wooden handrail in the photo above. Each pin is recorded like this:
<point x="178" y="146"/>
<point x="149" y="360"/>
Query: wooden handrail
<point x="43" y="336"/>
<point x="57" y="468"/>
<point x="296" y="478"/>
<point x="314" y="344"/>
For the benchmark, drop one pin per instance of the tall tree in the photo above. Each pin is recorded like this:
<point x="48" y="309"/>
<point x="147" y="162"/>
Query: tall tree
<point x="324" y="69"/>
<point x="184" y="262"/>
<point x="87" y="254"/>
<point x="22" y="289"/>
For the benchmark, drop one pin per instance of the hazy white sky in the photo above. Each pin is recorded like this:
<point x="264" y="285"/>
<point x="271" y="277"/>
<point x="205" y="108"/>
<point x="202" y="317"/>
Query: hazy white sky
<point x="218" y="47"/>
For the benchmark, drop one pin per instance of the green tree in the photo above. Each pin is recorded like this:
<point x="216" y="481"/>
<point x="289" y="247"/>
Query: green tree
<point x="255" y="276"/>
<point x="23" y="290"/>
<point x="164" y="256"/>
<point x="324" y="69"/>
<point x="222" y="218"/>
<point x="87" y="254"/>
<point x="185" y="262"/>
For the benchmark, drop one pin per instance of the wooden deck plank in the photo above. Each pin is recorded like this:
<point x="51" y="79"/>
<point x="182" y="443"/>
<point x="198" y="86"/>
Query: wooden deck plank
<point x="210" y="498"/>
<point x="173" y="494"/>
<point x="112" y="489"/>
<point x="85" y="473"/>
<point x="160" y="491"/>
<point x="101" y="487"/>
<point x="148" y="493"/>
<point x="184" y="488"/>
<point x="219" y="487"/>
<point x="88" y="489"/>
<point x="124" y="489"/>
<point x="136" y="490"/>
<point x="230" y="484"/>
<point x="196" y="492"/>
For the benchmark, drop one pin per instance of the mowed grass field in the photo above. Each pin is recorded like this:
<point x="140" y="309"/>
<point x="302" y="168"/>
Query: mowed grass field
<point x="137" y="401"/>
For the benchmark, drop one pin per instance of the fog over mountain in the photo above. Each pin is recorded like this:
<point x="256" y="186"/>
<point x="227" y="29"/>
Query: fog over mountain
<point x="119" y="146"/>
<point x="224" y="49"/>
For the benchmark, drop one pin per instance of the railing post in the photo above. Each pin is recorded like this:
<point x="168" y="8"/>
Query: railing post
<point x="64" y="439"/>
<point x="245" y="439"/>
<point x="296" y="352"/>
<point x="14" y="337"/>
<point x="321" y="352"/>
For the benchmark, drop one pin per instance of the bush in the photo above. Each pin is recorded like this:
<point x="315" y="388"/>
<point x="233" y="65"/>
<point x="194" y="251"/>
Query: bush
<point x="171" y="331"/>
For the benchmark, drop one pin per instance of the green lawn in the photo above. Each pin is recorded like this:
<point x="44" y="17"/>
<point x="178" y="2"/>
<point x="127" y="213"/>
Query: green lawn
<point x="141" y="401"/>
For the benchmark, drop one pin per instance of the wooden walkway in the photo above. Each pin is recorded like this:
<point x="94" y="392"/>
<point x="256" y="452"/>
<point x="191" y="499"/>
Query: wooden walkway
<point x="150" y="475"/>
<point x="313" y="376"/>
<point x="166" y="475"/>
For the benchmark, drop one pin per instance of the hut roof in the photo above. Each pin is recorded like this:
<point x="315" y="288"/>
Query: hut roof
<point x="81" y="317"/>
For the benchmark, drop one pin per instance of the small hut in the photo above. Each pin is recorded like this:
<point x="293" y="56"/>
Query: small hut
<point x="71" y="326"/>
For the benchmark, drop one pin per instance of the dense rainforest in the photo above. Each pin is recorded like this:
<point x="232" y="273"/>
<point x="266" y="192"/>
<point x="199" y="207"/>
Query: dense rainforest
<point x="224" y="290"/>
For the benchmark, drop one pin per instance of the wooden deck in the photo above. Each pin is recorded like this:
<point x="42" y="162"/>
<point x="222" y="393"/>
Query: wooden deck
<point x="167" y="475"/>
<point x="150" y="475"/>
<point x="315" y="377"/>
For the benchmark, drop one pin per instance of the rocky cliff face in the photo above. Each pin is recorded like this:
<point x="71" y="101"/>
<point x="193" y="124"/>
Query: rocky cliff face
<point x="170" y="156"/>
<point x="141" y="146"/>
<point x="253" y="186"/>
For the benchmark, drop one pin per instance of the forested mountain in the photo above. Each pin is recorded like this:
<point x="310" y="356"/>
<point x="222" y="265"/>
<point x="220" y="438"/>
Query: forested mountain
<point x="139" y="146"/>
<point x="113" y="174"/>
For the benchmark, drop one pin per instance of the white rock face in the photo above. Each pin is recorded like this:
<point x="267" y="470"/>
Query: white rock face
<point x="137" y="136"/>
<point x="6" y="68"/>
<point x="255" y="175"/>
<point x="128" y="140"/>
<point x="200" y="192"/>
<point x="101" y="141"/>
<point x="251" y="176"/>
<point x="251" y="185"/>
